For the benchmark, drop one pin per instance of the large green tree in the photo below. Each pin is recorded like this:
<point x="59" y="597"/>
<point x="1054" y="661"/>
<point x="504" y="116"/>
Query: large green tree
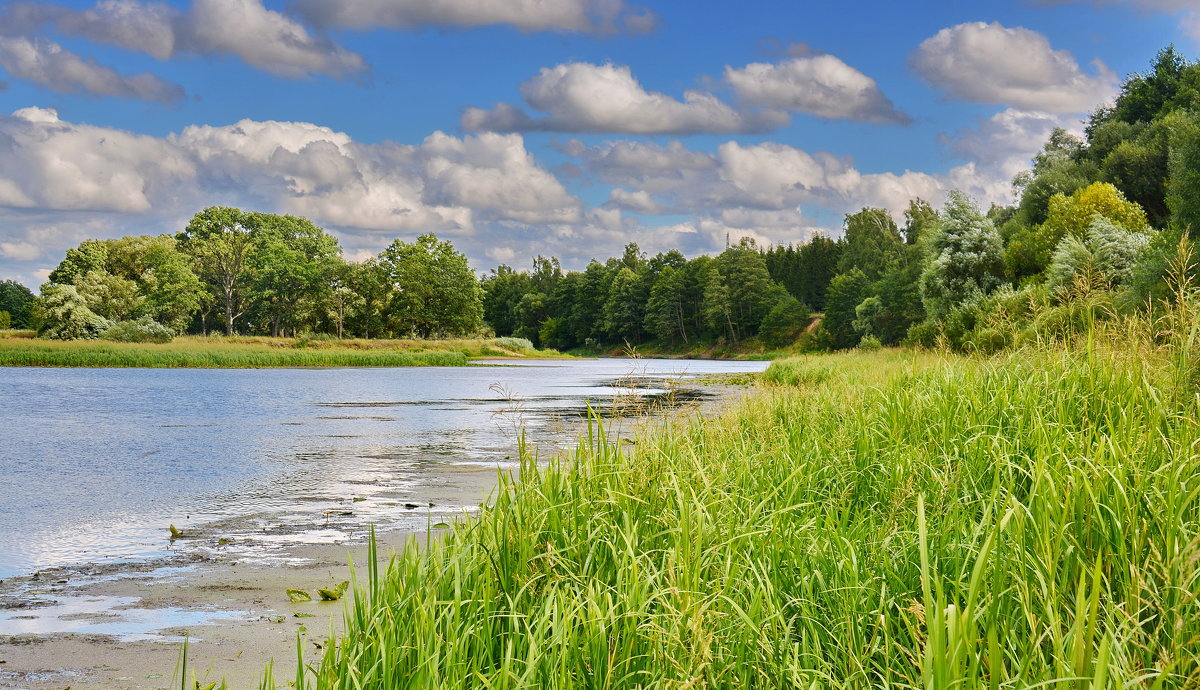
<point x="293" y="265"/>
<point x="435" y="292"/>
<point x="872" y="243"/>
<point x="221" y="240"/>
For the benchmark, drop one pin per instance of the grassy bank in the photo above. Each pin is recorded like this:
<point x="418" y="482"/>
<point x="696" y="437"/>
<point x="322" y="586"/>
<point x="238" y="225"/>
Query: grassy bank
<point x="256" y="352"/>
<point x="891" y="519"/>
<point x="748" y="349"/>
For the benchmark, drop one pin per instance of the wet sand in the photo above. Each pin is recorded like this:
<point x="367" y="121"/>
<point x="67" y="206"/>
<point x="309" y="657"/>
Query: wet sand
<point x="236" y="614"/>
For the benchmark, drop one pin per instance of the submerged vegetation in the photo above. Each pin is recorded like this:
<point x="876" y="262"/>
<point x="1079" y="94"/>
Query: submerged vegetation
<point x="257" y="352"/>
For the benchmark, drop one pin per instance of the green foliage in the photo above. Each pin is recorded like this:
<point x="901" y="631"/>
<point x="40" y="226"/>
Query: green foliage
<point x="784" y="323"/>
<point x="846" y="292"/>
<point x="113" y="297"/>
<point x="1109" y="250"/>
<point x="434" y="290"/>
<point x="220" y="241"/>
<point x="64" y="315"/>
<point x="1056" y="170"/>
<point x="502" y="292"/>
<point x="624" y="310"/>
<point x="869" y="343"/>
<point x="805" y="270"/>
<point x="17" y="300"/>
<point x="1071" y="215"/>
<point x="873" y="242"/>
<point x="143" y="330"/>
<point x="865" y="316"/>
<point x="1183" y="188"/>
<point x="966" y="259"/>
<point x="293" y="266"/>
<point x="1171" y="84"/>
<point x="920" y="219"/>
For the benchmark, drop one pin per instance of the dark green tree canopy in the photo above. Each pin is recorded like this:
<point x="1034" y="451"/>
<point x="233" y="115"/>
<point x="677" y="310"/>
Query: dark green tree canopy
<point x="435" y="292"/>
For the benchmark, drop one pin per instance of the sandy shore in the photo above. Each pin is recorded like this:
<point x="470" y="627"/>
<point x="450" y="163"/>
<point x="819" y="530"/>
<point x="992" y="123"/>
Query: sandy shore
<point x="123" y="625"/>
<point x="236" y="614"/>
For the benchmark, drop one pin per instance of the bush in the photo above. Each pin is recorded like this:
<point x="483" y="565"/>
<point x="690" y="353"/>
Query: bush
<point x="783" y="324"/>
<point x="143" y="330"/>
<point x="923" y="334"/>
<point x="63" y="314"/>
<point x="869" y="343"/>
<point x="5" y="321"/>
<point x="514" y="343"/>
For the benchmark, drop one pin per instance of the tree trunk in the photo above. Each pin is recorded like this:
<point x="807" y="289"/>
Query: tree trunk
<point x="682" y="327"/>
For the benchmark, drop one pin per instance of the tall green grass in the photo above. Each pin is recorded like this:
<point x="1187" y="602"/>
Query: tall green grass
<point x="902" y="520"/>
<point x="37" y="353"/>
<point x="19" y="348"/>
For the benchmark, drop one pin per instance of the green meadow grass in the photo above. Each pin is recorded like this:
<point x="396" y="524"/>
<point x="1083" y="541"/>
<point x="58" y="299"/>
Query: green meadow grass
<point x="891" y="519"/>
<point x="257" y="352"/>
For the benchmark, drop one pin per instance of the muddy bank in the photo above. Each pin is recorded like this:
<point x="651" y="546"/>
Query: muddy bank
<point x="124" y="629"/>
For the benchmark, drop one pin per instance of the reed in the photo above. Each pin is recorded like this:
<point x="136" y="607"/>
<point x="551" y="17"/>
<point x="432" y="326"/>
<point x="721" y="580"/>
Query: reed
<point x="891" y="519"/>
<point x="257" y="352"/>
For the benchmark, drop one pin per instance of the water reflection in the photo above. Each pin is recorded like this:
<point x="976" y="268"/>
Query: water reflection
<point x="103" y="460"/>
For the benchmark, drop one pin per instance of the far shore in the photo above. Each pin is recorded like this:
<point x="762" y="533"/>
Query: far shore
<point x="21" y="349"/>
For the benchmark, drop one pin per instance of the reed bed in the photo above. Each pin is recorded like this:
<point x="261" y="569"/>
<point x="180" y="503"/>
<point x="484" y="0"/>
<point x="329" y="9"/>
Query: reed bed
<point x="19" y="348"/>
<point x="208" y="355"/>
<point x="891" y="519"/>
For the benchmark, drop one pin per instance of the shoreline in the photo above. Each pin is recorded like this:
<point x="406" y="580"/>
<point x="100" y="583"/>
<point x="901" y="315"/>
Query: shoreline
<point x="234" y="610"/>
<point x="236" y="615"/>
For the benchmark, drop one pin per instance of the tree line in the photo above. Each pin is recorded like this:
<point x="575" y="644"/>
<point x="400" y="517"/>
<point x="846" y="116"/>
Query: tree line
<point x="1096" y="229"/>
<point x="1098" y="220"/>
<point x="235" y="271"/>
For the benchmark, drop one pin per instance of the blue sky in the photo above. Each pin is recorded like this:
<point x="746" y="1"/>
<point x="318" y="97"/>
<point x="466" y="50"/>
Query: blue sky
<point x="523" y="127"/>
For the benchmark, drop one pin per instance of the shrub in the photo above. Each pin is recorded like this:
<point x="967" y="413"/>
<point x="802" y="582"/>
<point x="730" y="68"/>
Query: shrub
<point x="923" y="334"/>
<point x="514" y="343"/>
<point x="64" y="315"/>
<point x="781" y="326"/>
<point x="869" y="343"/>
<point x="143" y="330"/>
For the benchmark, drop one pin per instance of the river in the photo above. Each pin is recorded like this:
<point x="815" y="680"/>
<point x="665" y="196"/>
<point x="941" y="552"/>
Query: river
<point x="97" y="463"/>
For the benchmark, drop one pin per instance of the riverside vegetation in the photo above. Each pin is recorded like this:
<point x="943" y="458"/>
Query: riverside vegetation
<point x="1014" y="505"/>
<point x="258" y="352"/>
<point x="889" y="518"/>
<point x="1017" y="504"/>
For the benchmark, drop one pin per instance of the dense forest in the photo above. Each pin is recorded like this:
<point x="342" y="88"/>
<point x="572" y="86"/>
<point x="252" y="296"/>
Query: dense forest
<point x="1099" y="225"/>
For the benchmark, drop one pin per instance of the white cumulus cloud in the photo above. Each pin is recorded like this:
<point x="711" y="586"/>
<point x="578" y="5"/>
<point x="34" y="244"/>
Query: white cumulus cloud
<point x="246" y="29"/>
<point x="820" y="85"/>
<point x="991" y="63"/>
<point x="582" y="97"/>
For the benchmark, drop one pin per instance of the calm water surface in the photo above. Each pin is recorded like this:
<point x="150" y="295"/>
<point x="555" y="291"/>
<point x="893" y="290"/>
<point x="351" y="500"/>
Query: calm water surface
<point x="95" y="463"/>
